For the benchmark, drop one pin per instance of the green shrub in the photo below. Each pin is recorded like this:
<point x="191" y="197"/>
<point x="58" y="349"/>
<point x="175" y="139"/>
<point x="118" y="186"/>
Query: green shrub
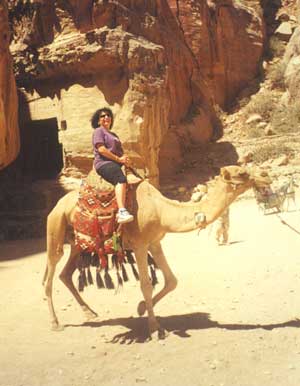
<point x="262" y="104"/>
<point x="286" y="119"/>
<point x="270" y="151"/>
<point x="276" y="47"/>
<point x="255" y="132"/>
<point x="276" y="75"/>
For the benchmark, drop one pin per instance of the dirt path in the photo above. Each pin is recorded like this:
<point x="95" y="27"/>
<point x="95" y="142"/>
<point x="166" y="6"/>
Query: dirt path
<point x="232" y="321"/>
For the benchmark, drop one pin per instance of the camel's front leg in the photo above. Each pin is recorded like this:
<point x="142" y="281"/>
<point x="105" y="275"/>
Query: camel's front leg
<point x="146" y="287"/>
<point x="169" y="277"/>
<point x="66" y="278"/>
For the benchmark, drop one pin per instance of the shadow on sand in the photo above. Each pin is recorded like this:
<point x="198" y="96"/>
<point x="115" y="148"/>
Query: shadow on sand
<point x="176" y="324"/>
<point x="17" y="249"/>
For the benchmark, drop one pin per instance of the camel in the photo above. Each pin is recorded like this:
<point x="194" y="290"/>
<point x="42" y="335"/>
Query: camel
<point x="278" y="199"/>
<point x="154" y="216"/>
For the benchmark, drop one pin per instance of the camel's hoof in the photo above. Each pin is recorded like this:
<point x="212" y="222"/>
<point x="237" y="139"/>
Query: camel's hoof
<point x="57" y="327"/>
<point x="162" y="333"/>
<point x="141" y="309"/>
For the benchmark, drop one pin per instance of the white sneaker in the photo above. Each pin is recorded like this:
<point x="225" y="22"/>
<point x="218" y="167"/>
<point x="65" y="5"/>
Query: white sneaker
<point x="124" y="216"/>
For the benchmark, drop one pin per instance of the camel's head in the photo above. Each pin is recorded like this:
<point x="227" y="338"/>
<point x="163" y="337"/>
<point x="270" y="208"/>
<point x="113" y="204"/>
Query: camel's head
<point x="244" y="178"/>
<point x="237" y="180"/>
<point x="260" y="178"/>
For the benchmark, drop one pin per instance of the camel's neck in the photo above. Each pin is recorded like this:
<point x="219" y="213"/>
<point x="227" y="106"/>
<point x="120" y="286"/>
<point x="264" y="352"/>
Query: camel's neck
<point x="219" y="198"/>
<point x="180" y="217"/>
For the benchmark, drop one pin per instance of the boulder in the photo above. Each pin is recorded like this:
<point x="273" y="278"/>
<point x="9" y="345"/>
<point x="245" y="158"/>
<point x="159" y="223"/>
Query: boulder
<point x="284" y="31"/>
<point x="254" y="118"/>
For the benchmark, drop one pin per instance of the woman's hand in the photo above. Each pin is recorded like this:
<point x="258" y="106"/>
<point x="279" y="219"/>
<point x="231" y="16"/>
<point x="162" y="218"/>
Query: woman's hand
<point x="125" y="160"/>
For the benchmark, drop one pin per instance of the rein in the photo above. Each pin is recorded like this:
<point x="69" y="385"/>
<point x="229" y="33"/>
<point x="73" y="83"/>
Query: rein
<point x="133" y="171"/>
<point x="285" y="223"/>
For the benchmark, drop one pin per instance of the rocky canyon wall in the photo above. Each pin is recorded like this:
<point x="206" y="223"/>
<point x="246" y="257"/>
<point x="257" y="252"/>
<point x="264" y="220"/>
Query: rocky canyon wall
<point x="74" y="57"/>
<point x="226" y="38"/>
<point x="292" y="64"/>
<point x="9" y="130"/>
<point x="160" y="65"/>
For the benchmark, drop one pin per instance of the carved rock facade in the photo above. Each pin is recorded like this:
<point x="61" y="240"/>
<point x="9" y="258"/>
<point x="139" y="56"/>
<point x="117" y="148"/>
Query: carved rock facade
<point x="160" y="71"/>
<point x="78" y="56"/>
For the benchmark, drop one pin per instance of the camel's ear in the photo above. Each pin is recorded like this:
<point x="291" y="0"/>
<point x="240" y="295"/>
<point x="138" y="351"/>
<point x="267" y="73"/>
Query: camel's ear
<point x="225" y="174"/>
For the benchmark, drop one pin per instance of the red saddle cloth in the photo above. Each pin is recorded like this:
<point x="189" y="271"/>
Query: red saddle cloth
<point x="95" y="226"/>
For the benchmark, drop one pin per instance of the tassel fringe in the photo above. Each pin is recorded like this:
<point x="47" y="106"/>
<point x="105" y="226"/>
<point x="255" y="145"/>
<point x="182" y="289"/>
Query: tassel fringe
<point x="95" y="260"/>
<point x="151" y="260"/>
<point x="135" y="272"/>
<point x="129" y="256"/>
<point x="153" y="276"/>
<point x="108" y="280"/>
<point x="84" y="279"/>
<point x="104" y="280"/>
<point x="120" y="281"/>
<point x="124" y="273"/>
<point x="80" y="282"/>
<point x="89" y="276"/>
<point x="99" y="280"/>
<point x="114" y="260"/>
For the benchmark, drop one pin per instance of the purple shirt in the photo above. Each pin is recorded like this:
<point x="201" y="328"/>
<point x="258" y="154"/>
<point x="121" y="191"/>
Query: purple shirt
<point x="110" y="140"/>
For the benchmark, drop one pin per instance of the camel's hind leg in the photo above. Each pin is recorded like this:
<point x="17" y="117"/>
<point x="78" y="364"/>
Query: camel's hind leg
<point x="56" y="231"/>
<point x="169" y="277"/>
<point x="66" y="278"/>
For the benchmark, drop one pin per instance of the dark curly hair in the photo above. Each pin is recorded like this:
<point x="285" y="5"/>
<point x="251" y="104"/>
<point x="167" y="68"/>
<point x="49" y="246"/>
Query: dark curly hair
<point x="96" y="115"/>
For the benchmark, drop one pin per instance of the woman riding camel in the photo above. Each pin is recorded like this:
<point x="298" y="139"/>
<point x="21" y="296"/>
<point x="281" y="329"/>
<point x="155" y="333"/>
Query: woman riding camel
<point x="109" y="158"/>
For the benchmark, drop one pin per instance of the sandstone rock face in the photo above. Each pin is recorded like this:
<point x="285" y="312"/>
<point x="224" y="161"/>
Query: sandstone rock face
<point x="227" y="41"/>
<point x="9" y="130"/>
<point x="160" y="66"/>
<point x="292" y="72"/>
<point x="73" y="57"/>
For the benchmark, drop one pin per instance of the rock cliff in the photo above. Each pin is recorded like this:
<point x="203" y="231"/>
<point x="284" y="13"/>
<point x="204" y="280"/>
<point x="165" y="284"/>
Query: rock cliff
<point x="160" y="65"/>
<point x="227" y="40"/>
<point x="74" y="57"/>
<point x="9" y="130"/>
<point x="292" y="71"/>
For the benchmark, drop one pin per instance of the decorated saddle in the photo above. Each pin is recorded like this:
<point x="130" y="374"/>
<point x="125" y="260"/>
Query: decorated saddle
<point x="98" y="236"/>
<point x="95" y="226"/>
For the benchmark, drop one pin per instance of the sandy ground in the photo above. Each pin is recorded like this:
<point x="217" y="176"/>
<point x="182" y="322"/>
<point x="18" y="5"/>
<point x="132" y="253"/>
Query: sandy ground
<point x="232" y="320"/>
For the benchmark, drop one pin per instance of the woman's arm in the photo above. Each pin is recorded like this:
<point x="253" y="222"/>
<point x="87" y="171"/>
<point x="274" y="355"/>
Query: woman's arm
<point x="108" y="154"/>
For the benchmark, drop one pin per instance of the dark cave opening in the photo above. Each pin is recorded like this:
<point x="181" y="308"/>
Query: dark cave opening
<point x="41" y="153"/>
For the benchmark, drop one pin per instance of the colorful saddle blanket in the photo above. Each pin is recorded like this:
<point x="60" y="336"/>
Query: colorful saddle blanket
<point x="95" y="226"/>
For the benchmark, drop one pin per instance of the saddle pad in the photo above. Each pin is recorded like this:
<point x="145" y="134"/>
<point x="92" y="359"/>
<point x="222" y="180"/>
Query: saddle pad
<point x="95" y="221"/>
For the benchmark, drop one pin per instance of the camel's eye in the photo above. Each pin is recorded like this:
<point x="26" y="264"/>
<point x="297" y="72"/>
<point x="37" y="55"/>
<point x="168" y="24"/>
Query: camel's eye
<point x="244" y="175"/>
